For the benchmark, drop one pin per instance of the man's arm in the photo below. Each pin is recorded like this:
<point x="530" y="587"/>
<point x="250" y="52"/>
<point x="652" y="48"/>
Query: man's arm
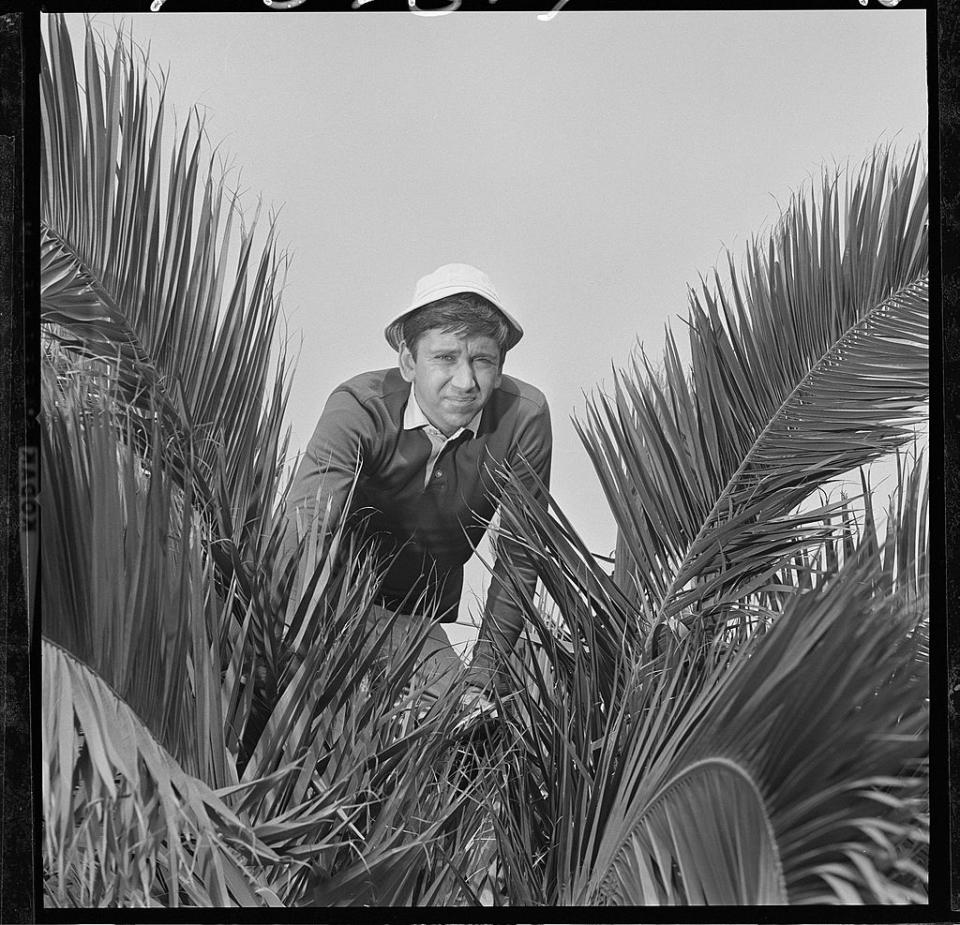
<point x="322" y="483"/>
<point x="503" y="614"/>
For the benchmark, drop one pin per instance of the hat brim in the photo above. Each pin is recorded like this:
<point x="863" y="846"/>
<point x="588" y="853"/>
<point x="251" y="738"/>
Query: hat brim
<point x="394" y="330"/>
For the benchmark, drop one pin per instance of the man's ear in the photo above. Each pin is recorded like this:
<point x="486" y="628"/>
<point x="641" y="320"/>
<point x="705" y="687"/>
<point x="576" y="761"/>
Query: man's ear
<point x="406" y="362"/>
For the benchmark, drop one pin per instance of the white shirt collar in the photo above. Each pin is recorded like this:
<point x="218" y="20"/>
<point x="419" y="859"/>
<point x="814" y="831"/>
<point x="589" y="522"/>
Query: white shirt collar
<point x="413" y="417"/>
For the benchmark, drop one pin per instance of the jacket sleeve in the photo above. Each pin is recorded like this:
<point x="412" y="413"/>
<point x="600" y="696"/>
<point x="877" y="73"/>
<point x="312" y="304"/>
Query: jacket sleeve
<point x="342" y="438"/>
<point x="503" y="614"/>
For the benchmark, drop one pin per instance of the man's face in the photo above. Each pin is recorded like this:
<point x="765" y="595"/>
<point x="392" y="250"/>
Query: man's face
<point x="454" y="376"/>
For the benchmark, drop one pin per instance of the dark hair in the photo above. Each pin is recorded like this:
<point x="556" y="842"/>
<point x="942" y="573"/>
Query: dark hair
<point x="463" y="313"/>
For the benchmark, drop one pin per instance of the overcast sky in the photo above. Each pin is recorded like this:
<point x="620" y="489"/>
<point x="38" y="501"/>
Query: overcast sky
<point x="594" y="165"/>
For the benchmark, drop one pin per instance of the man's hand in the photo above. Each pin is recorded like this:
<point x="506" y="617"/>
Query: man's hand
<point x="475" y="707"/>
<point x="475" y="702"/>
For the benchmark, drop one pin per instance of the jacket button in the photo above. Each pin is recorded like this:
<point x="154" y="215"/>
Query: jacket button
<point x="438" y="474"/>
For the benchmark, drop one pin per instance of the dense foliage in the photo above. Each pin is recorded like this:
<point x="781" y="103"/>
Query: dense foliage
<point x="737" y="714"/>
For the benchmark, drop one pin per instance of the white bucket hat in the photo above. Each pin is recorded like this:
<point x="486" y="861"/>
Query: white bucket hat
<point x="450" y="279"/>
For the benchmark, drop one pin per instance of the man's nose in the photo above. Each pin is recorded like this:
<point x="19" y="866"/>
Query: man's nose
<point x="463" y="378"/>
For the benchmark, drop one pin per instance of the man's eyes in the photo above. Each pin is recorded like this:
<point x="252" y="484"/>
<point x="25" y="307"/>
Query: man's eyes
<point x="450" y="358"/>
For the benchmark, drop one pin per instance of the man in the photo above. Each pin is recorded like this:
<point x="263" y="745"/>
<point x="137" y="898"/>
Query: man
<point x="428" y="439"/>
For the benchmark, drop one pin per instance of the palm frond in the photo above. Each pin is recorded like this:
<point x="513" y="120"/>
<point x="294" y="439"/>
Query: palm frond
<point x="837" y="667"/>
<point x="809" y="364"/>
<point x="901" y="544"/>
<point x="134" y="270"/>
<point x="123" y="823"/>
<point x="129" y="589"/>
<point x="785" y="767"/>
